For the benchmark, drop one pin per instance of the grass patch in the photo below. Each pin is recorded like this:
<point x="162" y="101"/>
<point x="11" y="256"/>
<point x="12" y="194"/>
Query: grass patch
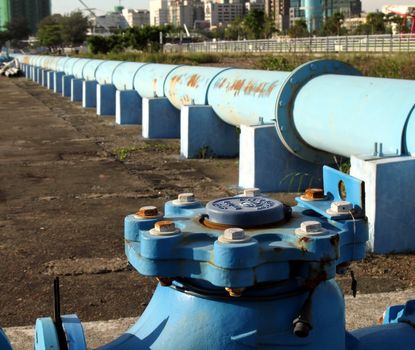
<point x="123" y="153"/>
<point x="399" y="65"/>
<point x="189" y="58"/>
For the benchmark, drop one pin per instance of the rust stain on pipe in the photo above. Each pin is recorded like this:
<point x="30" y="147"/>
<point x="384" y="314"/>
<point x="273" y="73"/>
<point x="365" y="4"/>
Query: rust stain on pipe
<point x="193" y="81"/>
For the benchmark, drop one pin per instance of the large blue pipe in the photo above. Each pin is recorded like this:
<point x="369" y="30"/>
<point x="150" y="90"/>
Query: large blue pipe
<point x="320" y="109"/>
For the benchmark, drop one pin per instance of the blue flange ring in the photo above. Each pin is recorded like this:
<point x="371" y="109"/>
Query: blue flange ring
<point x="285" y="105"/>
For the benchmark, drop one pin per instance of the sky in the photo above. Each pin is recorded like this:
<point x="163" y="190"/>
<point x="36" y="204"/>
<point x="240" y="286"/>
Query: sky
<point x="65" y="6"/>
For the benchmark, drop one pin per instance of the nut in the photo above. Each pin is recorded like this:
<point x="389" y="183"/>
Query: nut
<point x="186" y="197"/>
<point x="252" y="192"/>
<point x="234" y="235"/>
<point x="148" y="211"/>
<point x="314" y="193"/>
<point x="164" y="228"/>
<point x="309" y="228"/>
<point x="341" y="207"/>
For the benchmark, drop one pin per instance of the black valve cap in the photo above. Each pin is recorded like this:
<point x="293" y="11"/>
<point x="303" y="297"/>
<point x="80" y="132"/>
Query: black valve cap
<point x="301" y="328"/>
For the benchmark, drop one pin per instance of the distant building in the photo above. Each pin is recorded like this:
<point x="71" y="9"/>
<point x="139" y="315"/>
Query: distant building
<point x="159" y="12"/>
<point x="32" y="10"/>
<point x="223" y="13"/>
<point x="279" y="10"/>
<point x="136" y="18"/>
<point x="258" y="5"/>
<point x="349" y="8"/>
<point x="286" y="12"/>
<point x="185" y="12"/>
<point x="108" y="23"/>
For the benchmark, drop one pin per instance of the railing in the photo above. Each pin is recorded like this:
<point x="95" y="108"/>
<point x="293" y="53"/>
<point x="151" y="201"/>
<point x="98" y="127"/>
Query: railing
<point x="356" y="43"/>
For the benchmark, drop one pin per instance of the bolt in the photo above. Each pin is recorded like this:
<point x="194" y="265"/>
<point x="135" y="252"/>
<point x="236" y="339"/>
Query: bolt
<point x="165" y="226"/>
<point x="252" y="192"/>
<point x="314" y="193"/>
<point x="235" y="292"/>
<point x="311" y="226"/>
<point x="148" y="211"/>
<point x="341" y="207"/>
<point x="234" y="234"/>
<point x="186" y="197"/>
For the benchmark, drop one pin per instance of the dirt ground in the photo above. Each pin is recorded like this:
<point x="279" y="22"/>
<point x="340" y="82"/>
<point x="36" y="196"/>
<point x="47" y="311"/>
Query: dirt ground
<point x="68" y="178"/>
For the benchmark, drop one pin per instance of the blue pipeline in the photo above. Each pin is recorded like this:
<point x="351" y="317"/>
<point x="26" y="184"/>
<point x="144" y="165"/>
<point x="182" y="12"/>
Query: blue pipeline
<point x="313" y="106"/>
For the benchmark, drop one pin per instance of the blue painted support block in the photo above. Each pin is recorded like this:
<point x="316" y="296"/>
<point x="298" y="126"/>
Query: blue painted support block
<point x="76" y="90"/>
<point x="161" y="120"/>
<point x="41" y="76"/>
<point x="89" y="94"/>
<point x="38" y="77"/>
<point x="45" y="78"/>
<point x="128" y="107"/>
<point x="264" y="162"/>
<point x="58" y="81"/>
<point x="66" y="85"/>
<point x="106" y="99"/>
<point x="51" y="80"/>
<point x="389" y="199"/>
<point x="201" y="130"/>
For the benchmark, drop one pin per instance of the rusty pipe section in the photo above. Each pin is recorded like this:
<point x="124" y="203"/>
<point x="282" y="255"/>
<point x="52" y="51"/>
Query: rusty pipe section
<point x="322" y="108"/>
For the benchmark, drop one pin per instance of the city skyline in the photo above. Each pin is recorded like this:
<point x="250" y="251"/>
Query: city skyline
<point x="66" y="6"/>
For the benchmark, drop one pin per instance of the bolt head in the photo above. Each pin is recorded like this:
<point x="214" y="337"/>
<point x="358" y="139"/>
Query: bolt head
<point x="252" y="192"/>
<point x="165" y="226"/>
<point x="147" y="211"/>
<point x="311" y="226"/>
<point x="341" y="207"/>
<point x="314" y="193"/>
<point x="234" y="234"/>
<point x="186" y="197"/>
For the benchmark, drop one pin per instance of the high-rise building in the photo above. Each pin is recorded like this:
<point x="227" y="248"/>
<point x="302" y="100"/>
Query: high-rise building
<point x="279" y="10"/>
<point x="32" y="10"/>
<point x="159" y="12"/>
<point x="185" y="12"/>
<point x="136" y="18"/>
<point x="221" y="13"/>
<point x="349" y="8"/>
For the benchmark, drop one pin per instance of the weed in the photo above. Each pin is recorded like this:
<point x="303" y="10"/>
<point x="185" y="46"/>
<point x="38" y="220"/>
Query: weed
<point x="204" y="152"/>
<point x="300" y="179"/>
<point x="122" y="153"/>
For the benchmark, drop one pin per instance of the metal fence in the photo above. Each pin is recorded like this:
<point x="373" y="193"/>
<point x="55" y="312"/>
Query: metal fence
<point x="355" y="43"/>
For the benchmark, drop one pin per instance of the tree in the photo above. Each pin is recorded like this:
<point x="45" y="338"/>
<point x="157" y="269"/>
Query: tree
<point x="299" y="29"/>
<point x="333" y="25"/>
<point x="376" y="22"/>
<point x="73" y="28"/>
<point x="257" y="25"/>
<point x="235" y="30"/>
<point x="49" y="31"/>
<point x="98" y="44"/>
